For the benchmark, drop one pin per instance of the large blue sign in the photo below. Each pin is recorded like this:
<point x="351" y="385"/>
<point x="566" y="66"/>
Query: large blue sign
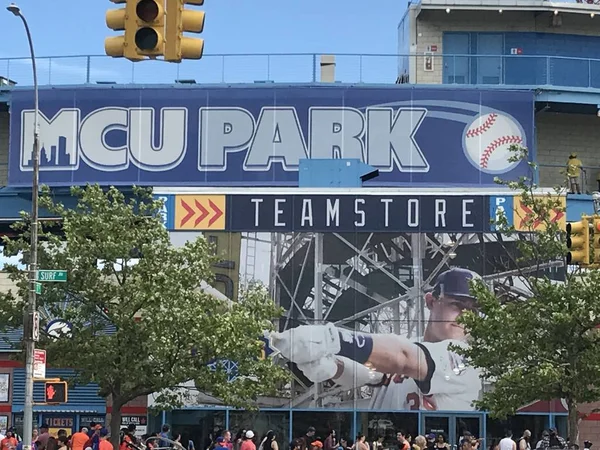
<point x="257" y="135"/>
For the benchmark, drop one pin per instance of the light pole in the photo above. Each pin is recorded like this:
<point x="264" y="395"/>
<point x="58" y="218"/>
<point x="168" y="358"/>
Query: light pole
<point x="28" y="336"/>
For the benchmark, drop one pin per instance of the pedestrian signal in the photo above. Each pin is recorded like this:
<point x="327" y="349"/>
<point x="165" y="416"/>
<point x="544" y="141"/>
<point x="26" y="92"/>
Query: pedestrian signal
<point x="578" y="242"/>
<point x="56" y="392"/>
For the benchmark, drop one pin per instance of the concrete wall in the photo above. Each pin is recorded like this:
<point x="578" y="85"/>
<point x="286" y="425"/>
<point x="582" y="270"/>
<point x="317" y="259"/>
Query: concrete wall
<point x="431" y="25"/>
<point x="5" y="283"/>
<point x="558" y="135"/>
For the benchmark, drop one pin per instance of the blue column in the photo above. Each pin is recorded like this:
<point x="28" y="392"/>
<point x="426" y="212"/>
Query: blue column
<point x="227" y="419"/>
<point x="291" y="428"/>
<point x="163" y="418"/>
<point x="354" y="429"/>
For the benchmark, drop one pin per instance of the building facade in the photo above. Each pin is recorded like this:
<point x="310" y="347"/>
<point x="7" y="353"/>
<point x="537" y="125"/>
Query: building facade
<point x="344" y="257"/>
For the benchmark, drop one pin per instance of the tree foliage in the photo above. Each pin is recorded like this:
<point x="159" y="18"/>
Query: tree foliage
<point x="543" y="344"/>
<point x="139" y="324"/>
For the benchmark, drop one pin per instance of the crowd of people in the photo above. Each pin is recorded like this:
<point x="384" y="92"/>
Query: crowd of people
<point x="96" y="437"/>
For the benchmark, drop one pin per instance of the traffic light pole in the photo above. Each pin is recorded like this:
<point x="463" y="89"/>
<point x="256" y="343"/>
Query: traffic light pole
<point x="28" y="336"/>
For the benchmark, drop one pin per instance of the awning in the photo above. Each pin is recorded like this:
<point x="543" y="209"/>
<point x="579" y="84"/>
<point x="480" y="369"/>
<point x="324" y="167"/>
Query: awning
<point x="13" y="201"/>
<point x="16" y="409"/>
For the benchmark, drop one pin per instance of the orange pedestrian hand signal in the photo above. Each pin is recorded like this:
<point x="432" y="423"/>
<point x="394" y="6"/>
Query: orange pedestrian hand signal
<point x="200" y="212"/>
<point x="56" y="392"/>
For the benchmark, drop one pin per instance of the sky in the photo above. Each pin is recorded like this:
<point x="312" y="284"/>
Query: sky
<point x="61" y="27"/>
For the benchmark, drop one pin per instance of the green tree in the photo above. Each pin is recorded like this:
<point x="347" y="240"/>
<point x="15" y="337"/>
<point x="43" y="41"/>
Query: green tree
<point x="140" y="324"/>
<point x="542" y="345"/>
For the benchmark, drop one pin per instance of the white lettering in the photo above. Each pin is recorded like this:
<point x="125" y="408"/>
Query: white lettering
<point x="222" y="130"/>
<point x="500" y="211"/>
<point x="466" y="212"/>
<point x="92" y="139"/>
<point x="413" y="212"/>
<point x="109" y="139"/>
<point x="336" y="133"/>
<point x="307" y="215"/>
<point x="333" y="212"/>
<point x="279" y="212"/>
<point x="257" y="202"/>
<point x="391" y="139"/>
<point x="386" y="208"/>
<point x="440" y="213"/>
<point x="173" y="138"/>
<point x="58" y="139"/>
<point x="359" y="212"/>
<point x="279" y="138"/>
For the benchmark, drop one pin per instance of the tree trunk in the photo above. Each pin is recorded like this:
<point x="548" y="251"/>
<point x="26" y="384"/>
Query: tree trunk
<point x="573" y="422"/>
<point x="115" y="423"/>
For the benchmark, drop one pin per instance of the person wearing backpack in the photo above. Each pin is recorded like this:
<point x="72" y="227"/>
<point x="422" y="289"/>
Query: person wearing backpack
<point x="523" y="443"/>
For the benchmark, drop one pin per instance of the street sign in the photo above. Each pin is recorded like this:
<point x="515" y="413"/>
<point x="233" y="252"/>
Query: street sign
<point x="35" y="326"/>
<point x="52" y="275"/>
<point x="39" y="364"/>
<point x="38" y="288"/>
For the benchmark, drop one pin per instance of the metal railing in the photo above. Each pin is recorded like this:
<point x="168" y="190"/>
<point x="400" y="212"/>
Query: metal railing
<point x="510" y="70"/>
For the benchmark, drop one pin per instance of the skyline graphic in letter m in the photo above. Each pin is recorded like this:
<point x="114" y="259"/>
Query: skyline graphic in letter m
<point x="58" y="140"/>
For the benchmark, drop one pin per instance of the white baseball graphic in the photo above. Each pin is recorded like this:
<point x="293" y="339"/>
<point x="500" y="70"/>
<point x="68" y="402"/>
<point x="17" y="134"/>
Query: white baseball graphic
<point x="488" y="140"/>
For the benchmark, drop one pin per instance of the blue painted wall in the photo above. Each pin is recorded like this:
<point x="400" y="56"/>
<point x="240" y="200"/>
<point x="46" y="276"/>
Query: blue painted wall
<point x="544" y="59"/>
<point x="83" y="398"/>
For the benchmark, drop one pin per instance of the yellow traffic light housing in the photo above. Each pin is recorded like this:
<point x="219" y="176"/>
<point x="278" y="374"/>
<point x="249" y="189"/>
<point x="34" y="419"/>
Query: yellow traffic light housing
<point x="180" y="20"/>
<point x="596" y="240"/>
<point x="122" y="19"/>
<point x="143" y="23"/>
<point x="578" y="242"/>
<point x="149" y="35"/>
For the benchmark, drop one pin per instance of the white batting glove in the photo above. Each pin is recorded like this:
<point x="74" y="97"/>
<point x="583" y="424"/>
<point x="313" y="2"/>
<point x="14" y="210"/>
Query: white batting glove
<point x="321" y="370"/>
<point x="307" y="343"/>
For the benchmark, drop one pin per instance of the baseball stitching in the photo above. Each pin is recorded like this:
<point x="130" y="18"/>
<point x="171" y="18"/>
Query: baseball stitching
<point x="489" y="121"/>
<point x="487" y="153"/>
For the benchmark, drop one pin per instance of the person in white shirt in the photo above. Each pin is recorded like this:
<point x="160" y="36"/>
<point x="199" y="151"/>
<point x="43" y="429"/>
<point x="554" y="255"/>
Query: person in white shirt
<point x="507" y="443"/>
<point x="406" y="375"/>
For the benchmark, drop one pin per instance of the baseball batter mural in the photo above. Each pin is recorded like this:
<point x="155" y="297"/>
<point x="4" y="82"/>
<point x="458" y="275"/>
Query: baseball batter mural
<point x="405" y="375"/>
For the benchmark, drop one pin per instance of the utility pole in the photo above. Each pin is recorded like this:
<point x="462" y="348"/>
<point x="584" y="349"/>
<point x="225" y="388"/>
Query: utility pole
<point x="30" y="316"/>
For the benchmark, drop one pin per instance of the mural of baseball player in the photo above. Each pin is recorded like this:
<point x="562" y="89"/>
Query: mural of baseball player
<point x="405" y="375"/>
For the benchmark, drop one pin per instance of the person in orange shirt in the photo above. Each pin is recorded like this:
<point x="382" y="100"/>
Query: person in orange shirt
<point x="9" y="442"/>
<point x="79" y="439"/>
<point x="104" y="443"/>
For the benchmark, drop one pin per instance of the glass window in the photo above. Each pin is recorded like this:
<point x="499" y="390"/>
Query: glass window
<point x="323" y="422"/>
<point x="261" y="422"/>
<point x="387" y="425"/>
<point x="201" y="427"/>
<point x="517" y="424"/>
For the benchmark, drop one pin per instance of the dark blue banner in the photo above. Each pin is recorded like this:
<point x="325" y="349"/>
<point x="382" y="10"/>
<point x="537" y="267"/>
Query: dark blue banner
<point x="352" y="213"/>
<point x="257" y="135"/>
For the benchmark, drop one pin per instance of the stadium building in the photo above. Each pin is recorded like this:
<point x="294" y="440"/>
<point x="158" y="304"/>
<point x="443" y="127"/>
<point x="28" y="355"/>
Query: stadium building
<point x="470" y="80"/>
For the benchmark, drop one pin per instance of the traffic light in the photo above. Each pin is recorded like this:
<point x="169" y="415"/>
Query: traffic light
<point x="596" y="239"/>
<point x="56" y="392"/>
<point x="143" y="23"/>
<point x="180" y="20"/>
<point x="578" y="242"/>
